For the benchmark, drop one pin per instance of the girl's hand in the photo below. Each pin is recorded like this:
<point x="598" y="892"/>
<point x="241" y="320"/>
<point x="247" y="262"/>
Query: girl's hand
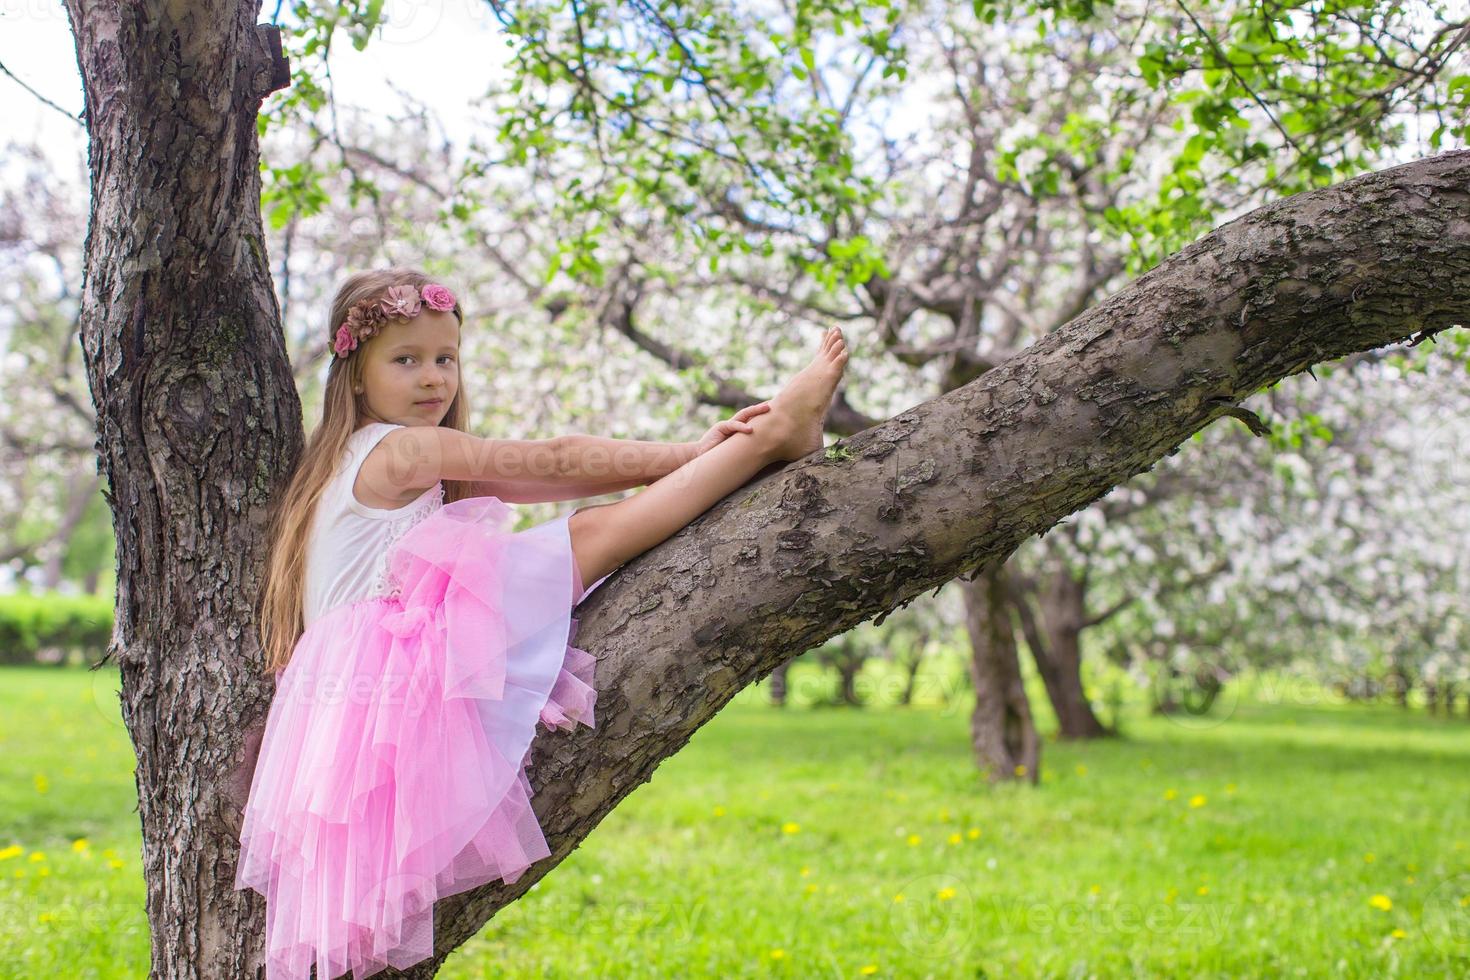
<point x="739" y="422"/>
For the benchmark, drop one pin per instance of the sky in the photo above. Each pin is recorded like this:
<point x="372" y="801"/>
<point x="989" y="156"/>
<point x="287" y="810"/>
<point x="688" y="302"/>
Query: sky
<point x="442" y="52"/>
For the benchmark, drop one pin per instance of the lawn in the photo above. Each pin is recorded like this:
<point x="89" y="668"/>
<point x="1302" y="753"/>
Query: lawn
<point x="1295" y="837"/>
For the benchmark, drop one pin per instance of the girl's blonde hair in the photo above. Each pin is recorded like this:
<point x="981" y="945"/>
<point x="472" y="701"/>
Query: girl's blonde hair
<point x="280" y="614"/>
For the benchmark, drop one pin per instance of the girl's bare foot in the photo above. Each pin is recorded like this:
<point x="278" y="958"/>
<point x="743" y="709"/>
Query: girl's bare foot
<point x="794" y="422"/>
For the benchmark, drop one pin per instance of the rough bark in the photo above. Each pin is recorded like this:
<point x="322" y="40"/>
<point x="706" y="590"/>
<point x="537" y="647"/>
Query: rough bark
<point x="197" y="418"/>
<point x="197" y="421"/>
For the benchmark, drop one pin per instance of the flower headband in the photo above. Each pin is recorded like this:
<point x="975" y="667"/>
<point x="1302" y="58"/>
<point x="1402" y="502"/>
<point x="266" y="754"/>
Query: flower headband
<point x="367" y="316"/>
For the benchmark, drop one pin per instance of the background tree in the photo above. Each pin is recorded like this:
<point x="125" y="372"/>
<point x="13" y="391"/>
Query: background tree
<point x="1093" y="141"/>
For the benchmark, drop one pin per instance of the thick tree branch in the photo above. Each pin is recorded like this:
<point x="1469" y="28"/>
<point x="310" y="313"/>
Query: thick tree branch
<point x="959" y="482"/>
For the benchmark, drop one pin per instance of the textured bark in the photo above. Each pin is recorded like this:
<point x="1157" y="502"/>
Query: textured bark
<point x="198" y="419"/>
<point x="1002" y="731"/>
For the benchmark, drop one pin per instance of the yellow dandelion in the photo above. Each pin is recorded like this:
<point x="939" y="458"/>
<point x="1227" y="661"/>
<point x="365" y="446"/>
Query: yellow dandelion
<point x="719" y="811"/>
<point x="1021" y="769"/>
<point x="1411" y="868"/>
<point x="898" y="897"/>
<point x="790" y="828"/>
<point x="1169" y="794"/>
<point x="44" y="872"/>
<point x="944" y="814"/>
<point x="945" y="894"/>
<point x="973" y="833"/>
<point x="20" y="872"/>
<point x="1381" y="902"/>
<point x="1172" y="894"/>
<point x="80" y="844"/>
<point x="778" y="954"/>
<point x="1202" y="890"/>
<point x="805" y="871"/>
<point x="914" y="840"/>
<point x="38" y="855"/>
<point x="114" y="864"/>
<point x="1081" y="769"/>
<point x="1230" y="787"/>
<point x="868" y="970"/>
<point x="1096" y="889"/>
<point x="43" y="785"/>
<point x="811" y="888"/>
<point x="1398" y="934"/>
<point x="956" y="837"/>
<point x="1410" y="880"/>
<point x="14" y="850"/>
<point x="1197" y="800"/>
<point x="44" y="917"/>
<point x="1369" y="858"/>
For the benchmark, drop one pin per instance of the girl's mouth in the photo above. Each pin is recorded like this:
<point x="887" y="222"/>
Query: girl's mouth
<point x="435" y="403"/>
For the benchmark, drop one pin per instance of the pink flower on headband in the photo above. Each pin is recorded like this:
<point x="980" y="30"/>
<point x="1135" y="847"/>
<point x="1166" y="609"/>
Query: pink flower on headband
<point x="367" y="316"/>
<point x="345" y="341"/>
<point x="438" y="297"/>
<point x="401" y="301"/>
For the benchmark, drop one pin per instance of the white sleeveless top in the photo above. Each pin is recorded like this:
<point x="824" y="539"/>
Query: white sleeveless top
<point x="347" y="550"/>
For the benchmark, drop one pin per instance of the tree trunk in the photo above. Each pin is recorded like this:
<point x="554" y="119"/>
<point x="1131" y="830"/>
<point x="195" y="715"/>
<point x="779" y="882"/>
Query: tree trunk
<point x="198" y="424"/>
<point x="197" y="419"/>
<point x="910" y="666"/>
<point x="848" y="668"/>
<point x="778" y="684"/>
<point x="78" y="499"/>
<point x="1001" y="730"/>
<point x="1056" y="646"/>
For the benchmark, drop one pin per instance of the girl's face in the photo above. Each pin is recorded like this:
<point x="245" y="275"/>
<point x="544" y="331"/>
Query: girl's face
<point x="410" y="372"/>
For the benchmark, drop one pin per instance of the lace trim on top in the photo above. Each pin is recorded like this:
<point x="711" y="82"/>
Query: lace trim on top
<point x="397" y="527"/>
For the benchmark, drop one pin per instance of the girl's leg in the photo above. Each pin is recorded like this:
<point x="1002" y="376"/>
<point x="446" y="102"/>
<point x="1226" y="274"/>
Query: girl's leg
<point x="607" y="535"/>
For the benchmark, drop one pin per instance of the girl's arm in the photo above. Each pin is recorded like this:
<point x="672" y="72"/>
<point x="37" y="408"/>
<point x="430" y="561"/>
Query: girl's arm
<point x="603" y="462"/>
<point x="530" y="492"/>
<point x="562" y="468"/>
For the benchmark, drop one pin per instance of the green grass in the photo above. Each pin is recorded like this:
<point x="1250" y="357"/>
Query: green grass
<point x="777" y="842"/>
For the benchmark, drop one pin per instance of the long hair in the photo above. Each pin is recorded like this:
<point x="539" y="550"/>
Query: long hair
<point x="281" y="610"/>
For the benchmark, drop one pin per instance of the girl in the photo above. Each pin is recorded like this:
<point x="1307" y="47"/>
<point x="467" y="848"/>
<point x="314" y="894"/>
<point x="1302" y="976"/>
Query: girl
<point x="416" y="640"/>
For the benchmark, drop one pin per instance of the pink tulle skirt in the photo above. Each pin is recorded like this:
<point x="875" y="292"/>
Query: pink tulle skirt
<point x="392" y="771"/>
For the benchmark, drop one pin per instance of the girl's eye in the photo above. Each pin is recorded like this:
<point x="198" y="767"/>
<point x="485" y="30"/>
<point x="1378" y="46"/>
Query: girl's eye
<point x="408" y="357"/>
